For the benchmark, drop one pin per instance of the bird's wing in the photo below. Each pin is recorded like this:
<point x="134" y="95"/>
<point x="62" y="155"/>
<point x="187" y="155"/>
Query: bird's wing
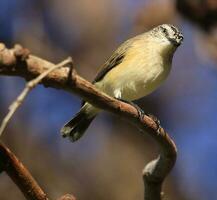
<point x="116" y="58"/>
<point x="113" y="61"/>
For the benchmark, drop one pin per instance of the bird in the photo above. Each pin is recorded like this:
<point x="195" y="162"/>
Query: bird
<point x="136" y="69"/>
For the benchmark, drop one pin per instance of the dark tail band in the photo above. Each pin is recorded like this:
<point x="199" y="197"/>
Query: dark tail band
<point x="75" y="128"/>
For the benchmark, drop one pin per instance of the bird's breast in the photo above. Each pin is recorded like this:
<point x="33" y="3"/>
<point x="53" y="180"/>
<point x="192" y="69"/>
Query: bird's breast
<point x="136" y="76"/>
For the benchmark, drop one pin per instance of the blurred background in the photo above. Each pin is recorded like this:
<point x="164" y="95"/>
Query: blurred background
<point x="107" y="162"/>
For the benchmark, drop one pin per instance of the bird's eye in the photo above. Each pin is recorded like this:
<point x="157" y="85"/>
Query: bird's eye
<point x="164" y="30"/>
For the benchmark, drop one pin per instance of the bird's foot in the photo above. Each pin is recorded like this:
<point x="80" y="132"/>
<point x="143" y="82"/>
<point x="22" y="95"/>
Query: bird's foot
<point x="141" y="112"/>
<point x="156" y="120"/>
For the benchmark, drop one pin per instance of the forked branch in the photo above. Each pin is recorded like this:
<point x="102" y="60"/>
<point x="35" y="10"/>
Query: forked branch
<point x="13" y="62"/>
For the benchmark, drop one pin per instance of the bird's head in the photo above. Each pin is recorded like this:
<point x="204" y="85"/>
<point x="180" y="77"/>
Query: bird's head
<point x="167" y="34"/>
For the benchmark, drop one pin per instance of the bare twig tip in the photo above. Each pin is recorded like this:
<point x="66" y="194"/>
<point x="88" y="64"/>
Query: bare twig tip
<point x="70" y="59"/>
<point x="67" y="197"/>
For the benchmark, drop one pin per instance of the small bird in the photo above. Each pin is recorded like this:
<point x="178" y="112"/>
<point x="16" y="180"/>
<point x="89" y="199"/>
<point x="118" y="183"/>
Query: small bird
<point x="135" y="69"/>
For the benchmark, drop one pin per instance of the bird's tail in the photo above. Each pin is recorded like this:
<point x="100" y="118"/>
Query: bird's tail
<point x="75" y="128"/>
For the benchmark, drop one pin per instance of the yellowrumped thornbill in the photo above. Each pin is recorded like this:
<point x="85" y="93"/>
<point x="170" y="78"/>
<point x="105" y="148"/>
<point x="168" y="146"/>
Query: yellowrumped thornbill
<point x="134" y="70"/>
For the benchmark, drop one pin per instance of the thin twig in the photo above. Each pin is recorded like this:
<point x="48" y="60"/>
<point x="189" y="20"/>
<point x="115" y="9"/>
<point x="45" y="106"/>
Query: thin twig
<point x="29" y="86"/>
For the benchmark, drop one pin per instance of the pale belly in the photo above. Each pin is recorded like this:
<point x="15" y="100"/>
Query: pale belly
<point x="131" y="83"/>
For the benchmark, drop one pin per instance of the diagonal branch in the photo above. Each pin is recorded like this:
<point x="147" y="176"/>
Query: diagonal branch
<point x="20" y="175"/>
<point x="14" y="63"/>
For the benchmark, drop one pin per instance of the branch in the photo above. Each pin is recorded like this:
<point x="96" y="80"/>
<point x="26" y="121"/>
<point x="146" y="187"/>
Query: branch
<point x="13" y="64"/>
<point x="29" y="86"/>
<point x="22" y="177"/>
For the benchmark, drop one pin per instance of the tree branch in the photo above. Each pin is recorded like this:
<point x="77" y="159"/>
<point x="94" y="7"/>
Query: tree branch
<point x="13" y="62"/>
<point x="29" y="86"/>
<point x="20" y="175"/>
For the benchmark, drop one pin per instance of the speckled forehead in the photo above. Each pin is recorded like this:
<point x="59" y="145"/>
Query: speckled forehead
<point x="169" y="27"/>
<point x="156" y="29"/>
<point x="160" y="30"/>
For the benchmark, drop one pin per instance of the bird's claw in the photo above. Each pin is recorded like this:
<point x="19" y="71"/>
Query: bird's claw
<point x="141" y="112"/>
<point x="156" y="120"/>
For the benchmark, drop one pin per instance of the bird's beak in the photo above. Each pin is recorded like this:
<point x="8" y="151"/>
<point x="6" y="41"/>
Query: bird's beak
<point x="179" y="39"/>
